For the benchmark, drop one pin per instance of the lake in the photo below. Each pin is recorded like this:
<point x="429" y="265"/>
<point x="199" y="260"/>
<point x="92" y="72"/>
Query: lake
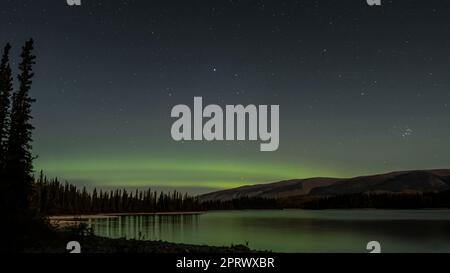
<point x="291" y="230"/>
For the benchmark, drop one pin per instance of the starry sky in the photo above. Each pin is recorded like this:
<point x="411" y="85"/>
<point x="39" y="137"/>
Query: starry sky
<point x="361" y="89"/>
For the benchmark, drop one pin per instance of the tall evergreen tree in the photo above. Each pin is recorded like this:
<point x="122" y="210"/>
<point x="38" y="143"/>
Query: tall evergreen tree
<point x="19" y="157"/>
<point x="6" y="88"/>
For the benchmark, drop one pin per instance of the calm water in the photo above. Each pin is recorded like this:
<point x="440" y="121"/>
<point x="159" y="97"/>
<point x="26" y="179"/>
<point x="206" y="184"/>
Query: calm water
<point x="292" y="230"/>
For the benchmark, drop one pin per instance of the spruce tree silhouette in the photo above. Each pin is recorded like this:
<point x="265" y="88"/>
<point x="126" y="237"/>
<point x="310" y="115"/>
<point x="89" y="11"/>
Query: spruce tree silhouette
<point x="6" y="88"/>
<point x="17" y="177"/>
<point x="19" y="160"/>
<point x="5" y="101"/>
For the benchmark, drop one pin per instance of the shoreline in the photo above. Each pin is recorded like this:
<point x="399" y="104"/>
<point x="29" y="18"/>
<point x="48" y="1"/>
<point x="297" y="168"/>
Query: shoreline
<point x="85" y="217"/>
<point x="95" y="244"/>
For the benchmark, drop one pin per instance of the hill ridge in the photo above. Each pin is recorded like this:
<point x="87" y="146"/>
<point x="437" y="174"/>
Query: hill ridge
<point x="434" y="180"/>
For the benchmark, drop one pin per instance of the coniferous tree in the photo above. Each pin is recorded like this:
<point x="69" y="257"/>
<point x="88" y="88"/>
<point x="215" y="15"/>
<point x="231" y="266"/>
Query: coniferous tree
<point x="6" y="88"/>
<point x="18" y="156"/>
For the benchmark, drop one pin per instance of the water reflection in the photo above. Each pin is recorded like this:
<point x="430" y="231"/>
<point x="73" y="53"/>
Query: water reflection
<point x="145" y="227"/>
<point x="292" y="230"/>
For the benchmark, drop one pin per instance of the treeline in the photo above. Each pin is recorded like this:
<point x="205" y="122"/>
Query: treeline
<point x="56" y="198"/>
<point x="382" y="201"/>
<point x="52" y="197"/>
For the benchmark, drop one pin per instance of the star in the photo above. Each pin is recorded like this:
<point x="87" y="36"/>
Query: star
<point x="407" y="132"/>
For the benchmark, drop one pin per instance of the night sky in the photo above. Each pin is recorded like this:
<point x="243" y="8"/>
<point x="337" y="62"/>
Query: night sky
<point x="361" y="89"/>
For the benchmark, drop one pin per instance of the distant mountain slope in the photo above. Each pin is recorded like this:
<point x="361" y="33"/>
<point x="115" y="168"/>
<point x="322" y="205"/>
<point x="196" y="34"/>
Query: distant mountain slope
<point x="405" y="182"/>
<point x="281" y="189"/>
<point x="395" y="182"/>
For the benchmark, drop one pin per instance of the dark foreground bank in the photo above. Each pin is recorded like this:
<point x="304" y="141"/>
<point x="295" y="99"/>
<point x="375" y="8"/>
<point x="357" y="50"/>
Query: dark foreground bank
<point x="89" y="243"/>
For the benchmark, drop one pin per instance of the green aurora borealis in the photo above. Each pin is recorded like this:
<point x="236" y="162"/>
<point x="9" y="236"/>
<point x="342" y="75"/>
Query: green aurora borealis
<point x="141" y="173"/>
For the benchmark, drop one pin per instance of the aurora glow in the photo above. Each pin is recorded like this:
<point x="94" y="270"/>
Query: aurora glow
<point x="169" y="173"/>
